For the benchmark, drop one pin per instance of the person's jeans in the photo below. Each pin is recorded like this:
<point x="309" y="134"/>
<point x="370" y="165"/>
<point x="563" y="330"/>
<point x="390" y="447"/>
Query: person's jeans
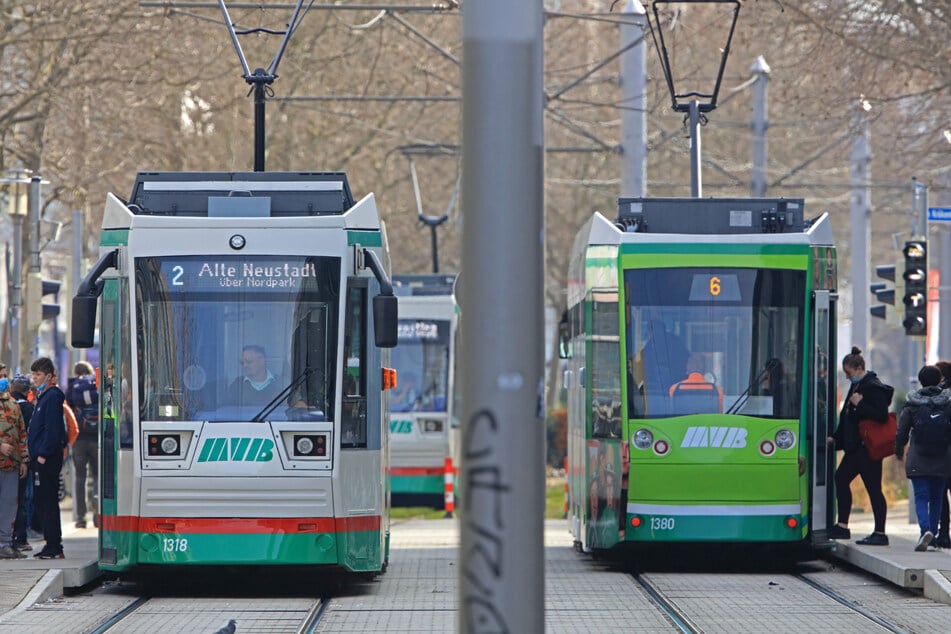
<point x="928" y="490"/>
<point x="8" y="504"/>
<point x="85" y="460"/>
<point x="46" y="501"/>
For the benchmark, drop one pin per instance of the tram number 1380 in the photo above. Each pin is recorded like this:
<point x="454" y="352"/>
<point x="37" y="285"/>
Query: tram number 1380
<point x="175" y="545"/>
<point x="662" y="523"/>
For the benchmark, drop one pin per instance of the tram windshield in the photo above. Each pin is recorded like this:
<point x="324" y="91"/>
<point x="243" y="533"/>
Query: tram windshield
<point x="703" y="340"/>
<point x="421" y="359"/>
<point x="237" y="338"/>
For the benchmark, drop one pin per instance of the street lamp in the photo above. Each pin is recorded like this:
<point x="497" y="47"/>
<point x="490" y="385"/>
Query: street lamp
<point x="18" y="181"/>
<point x="693" y="18"/>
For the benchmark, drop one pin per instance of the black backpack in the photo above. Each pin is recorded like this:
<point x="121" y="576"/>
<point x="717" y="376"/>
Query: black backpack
<point x="84" y="398"/>
<point x="931" y="431"/>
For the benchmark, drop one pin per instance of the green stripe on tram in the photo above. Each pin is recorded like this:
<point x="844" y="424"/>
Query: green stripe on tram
<point x="716" y="528"/>
<point x="364" y="238"/>
<point x="114" y="238"/>
<point x="417" y="484"/>
<point x="357" y="551"/>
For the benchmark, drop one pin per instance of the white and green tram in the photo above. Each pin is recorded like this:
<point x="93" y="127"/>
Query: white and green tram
<point x="424" y="428"/>
<point x="700" y="343"/>
<point x="244" y="331"/>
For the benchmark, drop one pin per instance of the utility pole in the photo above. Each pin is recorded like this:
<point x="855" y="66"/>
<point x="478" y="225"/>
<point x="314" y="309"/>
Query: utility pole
<point x="34" y="282"/>
<point x="919" y="231"/>
<point x="633" y="100"/>
<point x="501" y="571"/>
<point x="860" y="211"/>
<point x="78" y="354"/>
<point x="759" y="124"/>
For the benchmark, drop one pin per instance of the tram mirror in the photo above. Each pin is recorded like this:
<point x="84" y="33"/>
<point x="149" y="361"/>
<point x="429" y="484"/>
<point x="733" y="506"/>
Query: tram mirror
<point x="83" y="329"/>
<point x="385" y="316"/>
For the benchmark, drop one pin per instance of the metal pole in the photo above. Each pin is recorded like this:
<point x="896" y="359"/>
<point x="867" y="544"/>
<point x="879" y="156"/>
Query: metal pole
<point x="260" y="88"/>
<point x="32" y="347"/>
<point x="944" y="296"/>
<point x="759" y="124"/>
<point x="501" y="572"/>
<point x="17" y="299"/>
<point x="432" y="233"/>
<point x="860" y="211"/>
<point x="78" y="354"/>
<point x="919" y="229"/>
<point x="696" y="179"/>
<point x="633" y="100"/>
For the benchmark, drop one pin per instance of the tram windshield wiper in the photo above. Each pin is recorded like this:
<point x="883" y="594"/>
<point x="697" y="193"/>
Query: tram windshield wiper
<point x="745" y="396"/>
<point x="272" y="405"/>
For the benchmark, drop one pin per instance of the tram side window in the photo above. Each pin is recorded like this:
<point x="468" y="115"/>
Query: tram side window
<point x="353" y="424"/>
<point x="124" y="371"/>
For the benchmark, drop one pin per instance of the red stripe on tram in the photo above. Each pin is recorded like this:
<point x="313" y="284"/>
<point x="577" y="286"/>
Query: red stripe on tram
<point x="417" y="471"/>
<point x="235" y="526"/>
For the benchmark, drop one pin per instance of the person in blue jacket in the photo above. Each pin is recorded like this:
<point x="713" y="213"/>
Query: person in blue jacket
<point x="46" y="440"/>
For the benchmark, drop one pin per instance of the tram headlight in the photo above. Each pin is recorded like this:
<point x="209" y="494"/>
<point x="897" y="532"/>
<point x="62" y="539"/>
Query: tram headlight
<point x="304" y="445"/>
<point x="310" y="445"/>
<point x="170" y="445"/>
<point x="431" y="425"/>
<point x="643" y="439"/>
<point x="785" y="439"/>
<point x="162" y="445"/>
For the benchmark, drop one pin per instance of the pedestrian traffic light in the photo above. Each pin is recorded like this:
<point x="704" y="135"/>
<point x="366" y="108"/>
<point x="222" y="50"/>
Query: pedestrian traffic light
<point x="915" y="298"/>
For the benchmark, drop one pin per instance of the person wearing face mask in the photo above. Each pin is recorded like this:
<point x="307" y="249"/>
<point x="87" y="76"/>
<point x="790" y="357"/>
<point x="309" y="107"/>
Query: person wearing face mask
<point x="46" y="441"/>
<point x="19" y="389"/>
<point x="13" y="466"/>
<point x="867" y="398"/>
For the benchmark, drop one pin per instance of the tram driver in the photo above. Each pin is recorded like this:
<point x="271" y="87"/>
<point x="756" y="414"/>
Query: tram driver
<point x="257" y="386"/>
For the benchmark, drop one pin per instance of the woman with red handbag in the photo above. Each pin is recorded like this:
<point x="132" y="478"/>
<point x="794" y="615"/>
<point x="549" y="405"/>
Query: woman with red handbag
<point x="867" y="398"/>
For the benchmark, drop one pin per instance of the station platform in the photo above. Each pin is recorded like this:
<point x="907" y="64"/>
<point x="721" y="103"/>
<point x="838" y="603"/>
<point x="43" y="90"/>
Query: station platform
<point x="29" y="581"/>
<point x="25" y="582"/>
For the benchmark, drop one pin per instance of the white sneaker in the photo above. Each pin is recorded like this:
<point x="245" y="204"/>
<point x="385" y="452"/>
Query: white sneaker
<point x="924" y="541"/>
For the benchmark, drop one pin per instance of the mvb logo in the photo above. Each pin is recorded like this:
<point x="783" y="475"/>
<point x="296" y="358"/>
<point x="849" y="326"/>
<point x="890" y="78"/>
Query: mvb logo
<point x="401" y="426"/>
<point x="237" y="450"/>
<point x="724" y="437"/>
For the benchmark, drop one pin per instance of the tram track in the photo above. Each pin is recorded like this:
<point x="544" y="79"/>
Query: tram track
<point x="852" y="605"/>
<point x="677" y="616"/>
<point x="164" y="613"/>
<point x="688" y="610"/>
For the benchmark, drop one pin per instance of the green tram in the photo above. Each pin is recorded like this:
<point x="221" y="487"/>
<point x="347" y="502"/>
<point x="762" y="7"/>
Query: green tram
<point x="699" y="337"/>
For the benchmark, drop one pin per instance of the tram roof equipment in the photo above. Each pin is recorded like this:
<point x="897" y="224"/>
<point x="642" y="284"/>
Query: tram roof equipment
<point x="424" y="285"/>
<point x="261" y="194"/>
<point x="711" y="216"/>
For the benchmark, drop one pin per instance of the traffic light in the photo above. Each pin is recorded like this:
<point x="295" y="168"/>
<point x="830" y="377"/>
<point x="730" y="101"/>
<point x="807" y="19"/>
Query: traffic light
<point x="887" y="293"/>
<point x="51" y="287"/>
<point x="36" y="289"/>
<point x="915" y="298"/>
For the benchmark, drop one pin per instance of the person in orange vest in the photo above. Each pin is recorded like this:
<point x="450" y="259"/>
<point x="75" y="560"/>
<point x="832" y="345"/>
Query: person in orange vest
<point x="695" y="379"/>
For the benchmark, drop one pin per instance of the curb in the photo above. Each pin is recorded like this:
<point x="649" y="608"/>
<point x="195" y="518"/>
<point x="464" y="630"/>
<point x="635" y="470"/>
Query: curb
<point x="50" y="586"/>
<point x="937" y="587"/>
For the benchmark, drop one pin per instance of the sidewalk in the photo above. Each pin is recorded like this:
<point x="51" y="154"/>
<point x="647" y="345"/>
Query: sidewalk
<point x="898" y="562"/>
<point x="24" y="582"/>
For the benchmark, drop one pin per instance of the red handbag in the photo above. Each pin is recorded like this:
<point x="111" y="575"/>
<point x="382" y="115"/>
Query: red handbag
<point x="879" y="438"/>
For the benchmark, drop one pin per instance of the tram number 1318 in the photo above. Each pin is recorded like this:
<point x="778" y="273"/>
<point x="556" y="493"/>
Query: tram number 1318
<point x="175" y="545"/>
<point x="662" y="523"/>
